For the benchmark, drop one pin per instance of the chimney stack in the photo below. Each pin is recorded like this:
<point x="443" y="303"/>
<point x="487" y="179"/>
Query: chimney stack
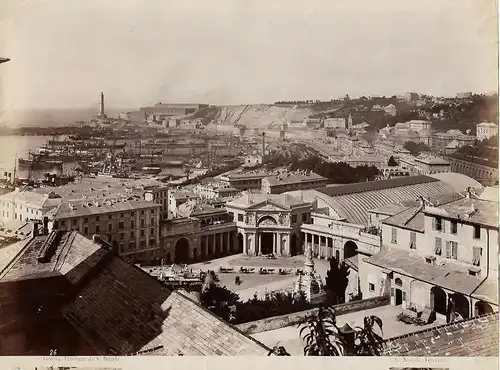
<point x="263" y="146"/>
<point x="34" y="233"/>
<point x="45" y="226"/>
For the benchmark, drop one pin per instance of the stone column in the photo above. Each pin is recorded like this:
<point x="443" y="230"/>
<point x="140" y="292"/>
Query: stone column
<point x="214" y="243"/>
<point x="245" y="248"/>
<point x="229" y="244"/>
<point x="275" y="244"/>
<point x="257" y="244"/>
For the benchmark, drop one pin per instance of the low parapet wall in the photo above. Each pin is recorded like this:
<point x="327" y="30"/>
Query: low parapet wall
<point x="277" y="322"/>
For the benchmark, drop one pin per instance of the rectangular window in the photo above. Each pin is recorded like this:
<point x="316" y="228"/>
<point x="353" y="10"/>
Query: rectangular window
<point x="132" y="234"/>
<point x="132" y="224"/>
<point x="85" y="230"/>
<point x="121" y="225"/>
<point x="438" y="223"/>
<point x="152" y="221"/>
<point x="438" y="244"/>
<point x="477" y="232"/>
<point x="304" y="217"/>
<point x="451" y="249"/>
<point x="453" y="227"/>
<point x="413" y="240"/>
<point x="110" y="217"/>
<point x="131" y="245"/>
<point x="97" y="230"/>
<point x="121" y="236"/>
<point x="86" y="219"/>
<point x="152" y="242"/>
<point x="394" y="235"/>
<point x="142" y="223"/>
<point x="294" y="218"/>
<point x="240" y="218"/>
<point x="142" y="232"/>
<point x="476" y="256"/>
<point x="371" y="287"/>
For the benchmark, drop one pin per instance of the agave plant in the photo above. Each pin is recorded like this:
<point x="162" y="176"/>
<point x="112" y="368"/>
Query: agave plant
<point x="320" y="334"/>
<point x="367" y="342"/>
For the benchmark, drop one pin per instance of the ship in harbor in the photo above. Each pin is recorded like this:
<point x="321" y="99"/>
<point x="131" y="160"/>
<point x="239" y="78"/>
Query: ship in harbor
<point x="36" y="164"/>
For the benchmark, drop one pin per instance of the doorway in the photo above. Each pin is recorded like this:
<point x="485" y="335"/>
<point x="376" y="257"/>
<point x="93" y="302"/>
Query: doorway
<point x="267" y="241"/>
<point x="399" y="297"/>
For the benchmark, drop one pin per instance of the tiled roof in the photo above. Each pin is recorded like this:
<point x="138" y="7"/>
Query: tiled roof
<point x="474" y="337"/>
<point x="138" y="313"/>
<point x="410" y="218"/>
<point x="449" y="275"/>
<point x="352" y="202"/>
<point x="458" y="181"/>
<point x="293" y="178"/>
<point x="471" y="210"/>
<point x="250" y="199"/>
<point x="94" y="207"/>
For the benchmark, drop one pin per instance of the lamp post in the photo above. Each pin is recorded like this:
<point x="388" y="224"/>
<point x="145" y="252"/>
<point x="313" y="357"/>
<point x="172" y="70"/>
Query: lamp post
<point x="347" y="334"/>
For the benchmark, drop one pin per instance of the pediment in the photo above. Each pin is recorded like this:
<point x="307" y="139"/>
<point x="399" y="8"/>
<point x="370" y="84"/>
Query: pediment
<point x="267" y="206"/>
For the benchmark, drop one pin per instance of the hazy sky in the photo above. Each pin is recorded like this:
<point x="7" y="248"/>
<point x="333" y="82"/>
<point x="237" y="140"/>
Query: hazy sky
<point x="65" y="52"/>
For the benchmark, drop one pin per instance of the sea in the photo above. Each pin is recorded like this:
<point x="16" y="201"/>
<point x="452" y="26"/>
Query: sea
<point x="17" y="146"/>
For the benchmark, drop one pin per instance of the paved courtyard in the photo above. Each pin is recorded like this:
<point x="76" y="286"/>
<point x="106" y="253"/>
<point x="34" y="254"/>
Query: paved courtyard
<point x="289" y="336"/>
<point x="255" y="283"/>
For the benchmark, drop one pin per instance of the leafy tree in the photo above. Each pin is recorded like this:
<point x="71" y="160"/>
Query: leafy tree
<point x="337" y="279"/>
<point x="415" y="148"/>
<point x="219" y="300"/>
<point x="392" y="162"/>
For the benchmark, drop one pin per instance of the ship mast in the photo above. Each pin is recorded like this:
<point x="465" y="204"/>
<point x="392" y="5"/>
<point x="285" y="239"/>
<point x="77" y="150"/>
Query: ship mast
<point x="15" y="170"/>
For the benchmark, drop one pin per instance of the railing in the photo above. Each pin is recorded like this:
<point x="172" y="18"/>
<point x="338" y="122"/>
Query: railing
<point x="222" y="225"/>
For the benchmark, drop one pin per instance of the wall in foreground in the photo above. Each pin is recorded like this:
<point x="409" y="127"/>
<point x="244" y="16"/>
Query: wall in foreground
<point x="277" y="322"/>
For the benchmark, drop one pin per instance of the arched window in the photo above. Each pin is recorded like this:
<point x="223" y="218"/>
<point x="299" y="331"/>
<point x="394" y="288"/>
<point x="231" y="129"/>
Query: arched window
<point x="398" y="282"/>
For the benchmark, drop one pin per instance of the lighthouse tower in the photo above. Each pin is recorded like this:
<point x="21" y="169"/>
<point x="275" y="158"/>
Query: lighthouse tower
<point x="101" y="109"/>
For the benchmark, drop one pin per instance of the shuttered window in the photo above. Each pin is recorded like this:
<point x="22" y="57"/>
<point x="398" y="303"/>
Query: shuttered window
<point x="476" y="256"/>
<point x="394" y="235"/>
<point x="438" y="246"/>
<point x="413" y="240"/>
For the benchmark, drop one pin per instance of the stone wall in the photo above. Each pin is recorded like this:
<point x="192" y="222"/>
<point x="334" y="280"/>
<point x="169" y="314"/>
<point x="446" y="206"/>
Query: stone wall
<point x="277" y="322"/>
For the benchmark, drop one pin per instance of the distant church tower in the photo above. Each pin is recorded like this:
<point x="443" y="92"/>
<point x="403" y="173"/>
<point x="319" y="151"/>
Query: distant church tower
<point x="101" y="110"/>
<point x="348" y="121"/>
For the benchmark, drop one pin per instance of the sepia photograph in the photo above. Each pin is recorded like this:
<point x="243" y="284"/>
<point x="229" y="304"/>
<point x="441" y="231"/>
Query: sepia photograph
<point x="264" y="178"/>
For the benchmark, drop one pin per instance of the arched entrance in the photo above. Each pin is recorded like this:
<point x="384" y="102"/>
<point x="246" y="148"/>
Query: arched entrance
<point x="293" y="245"/>
<point x="240" y="243"/>
<point x="461" y="305"/>
<point x="482" y="308"/>
<point x="438" y="300"/>
<point x="182" y="251"/>
<point x="399" y="291"/>
<point x="350" y="249"/>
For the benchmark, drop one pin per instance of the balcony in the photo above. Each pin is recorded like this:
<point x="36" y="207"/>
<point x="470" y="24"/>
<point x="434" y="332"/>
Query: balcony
<point x="219" y="226"/>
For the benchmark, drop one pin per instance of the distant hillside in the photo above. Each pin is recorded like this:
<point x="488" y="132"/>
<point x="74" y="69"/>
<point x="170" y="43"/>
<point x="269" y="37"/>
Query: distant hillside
<point x="260" y="116"/>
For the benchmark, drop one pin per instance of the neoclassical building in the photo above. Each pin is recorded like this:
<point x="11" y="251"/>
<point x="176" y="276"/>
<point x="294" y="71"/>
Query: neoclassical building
<point x="269" y="223"/>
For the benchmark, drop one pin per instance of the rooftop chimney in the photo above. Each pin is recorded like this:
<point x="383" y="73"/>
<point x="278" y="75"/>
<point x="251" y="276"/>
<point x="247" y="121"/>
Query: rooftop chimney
<point x="45" y="229"/>
<point x="34" y="233"/>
